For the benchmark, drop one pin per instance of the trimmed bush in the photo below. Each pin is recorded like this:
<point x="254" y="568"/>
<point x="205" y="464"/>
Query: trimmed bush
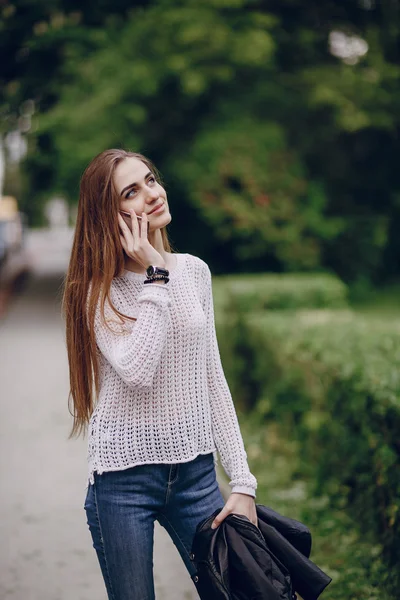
<point x="331" y="379"/>
<point x="273" y="292"/>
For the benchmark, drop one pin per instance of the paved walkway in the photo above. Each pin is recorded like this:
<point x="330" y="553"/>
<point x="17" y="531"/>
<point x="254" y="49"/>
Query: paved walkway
<point x="45" y="549"/>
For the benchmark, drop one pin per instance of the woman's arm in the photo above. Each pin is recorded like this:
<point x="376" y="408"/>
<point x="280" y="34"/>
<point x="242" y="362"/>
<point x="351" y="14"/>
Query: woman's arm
<point x="136" y="354"/>
<point x="226" y="430"/>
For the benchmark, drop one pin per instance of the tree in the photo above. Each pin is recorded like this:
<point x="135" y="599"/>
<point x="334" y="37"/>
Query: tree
<point x="169" y="78"/>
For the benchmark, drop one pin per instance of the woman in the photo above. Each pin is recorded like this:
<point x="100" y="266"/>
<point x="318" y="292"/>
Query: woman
<point x="146" y="377"/>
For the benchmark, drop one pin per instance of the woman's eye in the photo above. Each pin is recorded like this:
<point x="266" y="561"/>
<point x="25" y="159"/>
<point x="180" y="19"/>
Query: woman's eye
<point x="129" y="193"/>
<point x="152" y="179"/>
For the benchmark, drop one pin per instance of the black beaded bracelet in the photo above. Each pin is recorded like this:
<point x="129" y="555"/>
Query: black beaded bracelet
<point x="157" y="278"/>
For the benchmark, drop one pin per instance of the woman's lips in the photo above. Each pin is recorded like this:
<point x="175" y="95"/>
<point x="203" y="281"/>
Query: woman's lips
<point x="157" y="209"/>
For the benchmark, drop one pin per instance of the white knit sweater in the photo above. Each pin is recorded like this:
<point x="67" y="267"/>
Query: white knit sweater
<point x="163" y="394"/>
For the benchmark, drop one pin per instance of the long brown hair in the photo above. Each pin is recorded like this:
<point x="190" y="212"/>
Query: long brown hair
<point x="97" y="257"/>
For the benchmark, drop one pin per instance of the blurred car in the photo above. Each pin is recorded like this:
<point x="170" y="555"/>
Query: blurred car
<point x="14" y="258"/>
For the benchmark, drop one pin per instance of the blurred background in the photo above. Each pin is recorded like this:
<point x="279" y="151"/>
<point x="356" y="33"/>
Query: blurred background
<point x="275" y="125"/>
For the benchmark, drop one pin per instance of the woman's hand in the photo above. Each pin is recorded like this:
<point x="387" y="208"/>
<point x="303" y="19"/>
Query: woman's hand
<point x="136" y="244"/>
<point x="241" y="504"/>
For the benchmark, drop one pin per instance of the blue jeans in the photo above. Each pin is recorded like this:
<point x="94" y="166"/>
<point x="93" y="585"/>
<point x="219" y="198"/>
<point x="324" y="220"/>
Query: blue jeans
<point x="121" y="507"/>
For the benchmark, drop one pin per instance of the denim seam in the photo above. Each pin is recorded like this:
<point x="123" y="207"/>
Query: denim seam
<point x="102" y="542"/>
<point x="176" y="476"/>
<point x="176" y="533"/>
<point x="169" y="484"/>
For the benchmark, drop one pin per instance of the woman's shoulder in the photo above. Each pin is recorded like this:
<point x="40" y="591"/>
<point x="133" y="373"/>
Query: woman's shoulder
<point x="198" y="262"/>
<point x="200" y="271"/>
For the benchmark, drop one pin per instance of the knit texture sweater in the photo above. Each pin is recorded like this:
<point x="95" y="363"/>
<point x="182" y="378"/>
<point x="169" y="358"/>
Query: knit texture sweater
<point x="163" y="395"/>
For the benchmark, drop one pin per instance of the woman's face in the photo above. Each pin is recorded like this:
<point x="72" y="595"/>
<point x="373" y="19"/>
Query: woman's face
<point x="138" y="190"/>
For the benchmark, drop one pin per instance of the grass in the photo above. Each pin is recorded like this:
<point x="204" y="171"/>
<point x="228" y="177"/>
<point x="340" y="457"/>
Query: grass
<point x="353" y="564"/>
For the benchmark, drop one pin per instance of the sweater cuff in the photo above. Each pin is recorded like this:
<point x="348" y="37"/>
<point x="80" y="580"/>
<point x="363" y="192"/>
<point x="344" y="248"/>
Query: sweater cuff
<point x="243" y="489"/>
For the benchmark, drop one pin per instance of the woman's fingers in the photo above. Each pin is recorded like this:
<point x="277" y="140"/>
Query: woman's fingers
<point x="143" y="226"/>
<point x="129" y="235"/>
<point x="241" y="504"/>
<point x="121" y="221"/>
<point x="123" y="243"/>
<point x="135" y="225"/>
<point x="220" y="517"/>
<point x="132" y="240"/>
<point x="124" y="227"/>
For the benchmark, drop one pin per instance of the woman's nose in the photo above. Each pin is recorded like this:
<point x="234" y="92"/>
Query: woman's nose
<point x="152" y="194"/>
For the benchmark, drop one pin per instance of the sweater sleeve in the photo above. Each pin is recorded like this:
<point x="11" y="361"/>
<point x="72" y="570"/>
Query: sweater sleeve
<point x="225" y="425"/>
<point x="135" y="351"/>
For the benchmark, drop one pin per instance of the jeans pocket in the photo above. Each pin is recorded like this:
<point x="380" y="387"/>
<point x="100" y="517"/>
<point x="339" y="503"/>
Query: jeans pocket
<point x="204" y="458"/>
<point x="202" y="471"/>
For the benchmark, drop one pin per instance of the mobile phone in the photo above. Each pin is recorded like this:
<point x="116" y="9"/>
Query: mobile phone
<point x="127" y="218"/>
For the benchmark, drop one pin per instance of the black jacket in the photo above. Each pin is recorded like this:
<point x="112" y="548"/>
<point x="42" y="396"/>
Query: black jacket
<point x="239" y="561"/>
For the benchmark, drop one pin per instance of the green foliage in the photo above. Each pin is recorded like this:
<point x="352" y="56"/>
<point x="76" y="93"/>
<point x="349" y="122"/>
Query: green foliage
<point x="255" y="292"/>
<point x="139" y="89"/>
<point x="286" y="153"/>
<point x="361" y="95"/>
<point x="253" y="190"/>
<point x="331" y="380"/>
<point x="355" y="565"/>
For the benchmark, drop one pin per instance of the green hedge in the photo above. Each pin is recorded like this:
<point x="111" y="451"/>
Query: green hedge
<point x="331" y="379"/>
<point x="267" y="291"/>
